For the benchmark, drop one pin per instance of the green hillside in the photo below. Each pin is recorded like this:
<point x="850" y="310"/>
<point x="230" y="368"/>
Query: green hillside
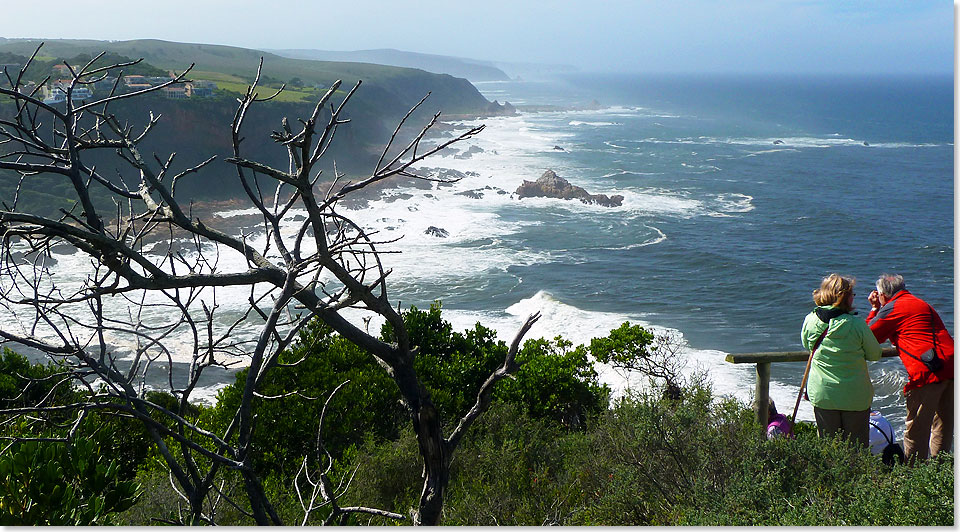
<point x="404" y="86"/>
<point x="199" y="127"/>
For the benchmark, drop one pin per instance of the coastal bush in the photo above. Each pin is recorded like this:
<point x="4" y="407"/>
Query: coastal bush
<point x="51" y="483"/>
<point x="696" y="460"/>
<point x="651" y="458"/>
<point x="553" y="381"/>
<point x="556" y="381"/>
<point x="24" y="384"/>
<point x="369" y="406"/>
<point x="511" y="470"/>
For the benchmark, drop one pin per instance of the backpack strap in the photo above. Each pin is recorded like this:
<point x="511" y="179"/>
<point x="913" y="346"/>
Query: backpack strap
<point x="820" y="339"/>
<point x="889" y="441"/>
<point x="933" y="334"/>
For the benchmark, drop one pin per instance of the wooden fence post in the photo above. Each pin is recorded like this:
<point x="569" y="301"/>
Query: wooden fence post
<point x="763" y="394"/>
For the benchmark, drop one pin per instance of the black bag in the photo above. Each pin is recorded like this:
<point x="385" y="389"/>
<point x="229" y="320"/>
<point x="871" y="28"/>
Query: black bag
<point x="931" y="361"/>
<point x="892" y="453"/>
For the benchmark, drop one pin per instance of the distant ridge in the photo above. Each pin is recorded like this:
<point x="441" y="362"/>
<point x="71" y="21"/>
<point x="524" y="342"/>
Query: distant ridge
<point x="474" y="70"/>
<point x="439" y="64"/>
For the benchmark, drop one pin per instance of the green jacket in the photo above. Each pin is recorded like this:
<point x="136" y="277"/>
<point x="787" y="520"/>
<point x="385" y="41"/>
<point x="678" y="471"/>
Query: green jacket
<point x="838" y="374"/>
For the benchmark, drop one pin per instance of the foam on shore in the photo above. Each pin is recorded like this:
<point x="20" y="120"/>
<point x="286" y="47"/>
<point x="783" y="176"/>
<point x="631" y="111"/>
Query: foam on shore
<point x="475" y="214"/>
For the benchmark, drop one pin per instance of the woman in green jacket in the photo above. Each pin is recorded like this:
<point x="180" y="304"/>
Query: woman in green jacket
<point x="839" y="385"/>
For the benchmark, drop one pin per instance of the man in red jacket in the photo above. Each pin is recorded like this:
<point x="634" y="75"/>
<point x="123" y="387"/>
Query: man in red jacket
<point x="920" y="337"/>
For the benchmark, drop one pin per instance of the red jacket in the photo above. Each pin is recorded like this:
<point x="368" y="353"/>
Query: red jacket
<point x="913" y="327"/>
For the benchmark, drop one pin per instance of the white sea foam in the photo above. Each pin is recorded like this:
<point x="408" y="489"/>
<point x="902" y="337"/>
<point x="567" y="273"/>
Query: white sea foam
<point x="775" y="150"/>
<point x="735" y="202"/>
<point x="629" y="173"/>
<point x="660" y="237"/>
<point x="816" y="142"/>
<point x="580" y="326"/>
<point x="783" y="143"/>
<point x="597" y="124"/>
<point x="513" y="149"/>
<point x="658" y="201"/>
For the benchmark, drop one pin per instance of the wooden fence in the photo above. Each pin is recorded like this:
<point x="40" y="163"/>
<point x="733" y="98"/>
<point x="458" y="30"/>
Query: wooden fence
<point x="763" y="361"/>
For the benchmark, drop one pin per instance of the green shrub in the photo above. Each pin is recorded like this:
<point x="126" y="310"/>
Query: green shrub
<point x="698" y="460"/>
<point x="49" y="483"/>
<point x="23" y="384"/>
<point x="554" y="381"/>
<point x="287" y="426"/>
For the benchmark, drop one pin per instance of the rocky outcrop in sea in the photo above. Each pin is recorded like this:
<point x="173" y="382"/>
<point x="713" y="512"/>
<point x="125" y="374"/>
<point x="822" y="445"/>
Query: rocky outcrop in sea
<point x="550" y="185"/>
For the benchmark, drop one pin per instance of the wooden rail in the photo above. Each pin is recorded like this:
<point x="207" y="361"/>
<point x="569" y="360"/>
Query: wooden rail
<point x="763" y="361"/>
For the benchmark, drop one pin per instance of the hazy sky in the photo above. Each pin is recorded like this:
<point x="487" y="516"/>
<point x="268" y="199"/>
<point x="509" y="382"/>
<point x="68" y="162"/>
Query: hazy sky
<point x="639" y="35"/>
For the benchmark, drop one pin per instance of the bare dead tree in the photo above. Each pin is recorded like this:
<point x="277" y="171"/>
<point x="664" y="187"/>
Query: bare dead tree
<point x="322" y="487"/>
<point x="143" y="309"/>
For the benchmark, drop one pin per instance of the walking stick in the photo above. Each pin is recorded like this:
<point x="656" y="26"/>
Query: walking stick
<point x="806" y="372"/>
<point x="803" y="384"/>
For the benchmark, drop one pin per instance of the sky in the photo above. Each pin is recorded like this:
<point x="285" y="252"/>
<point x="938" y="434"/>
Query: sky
<point x="776" y="36"/>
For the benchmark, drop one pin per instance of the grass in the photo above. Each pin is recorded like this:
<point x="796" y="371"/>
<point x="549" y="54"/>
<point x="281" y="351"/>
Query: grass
<point x="237" y="84"/>
<point x="216" y="76"/>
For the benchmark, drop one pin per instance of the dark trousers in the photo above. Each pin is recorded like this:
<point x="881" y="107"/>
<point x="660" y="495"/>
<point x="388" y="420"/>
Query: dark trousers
<point x="852" y="424"/>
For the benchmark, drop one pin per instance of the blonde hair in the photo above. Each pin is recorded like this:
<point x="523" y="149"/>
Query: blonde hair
<point x="834" y="291"/>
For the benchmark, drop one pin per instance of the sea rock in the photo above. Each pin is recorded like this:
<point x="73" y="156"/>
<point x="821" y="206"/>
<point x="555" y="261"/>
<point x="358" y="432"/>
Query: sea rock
<point x="437" y="232"/>
<point x="63" y="249"/>
<point x="474" y="194"/>
<point x="402" y="196"/>
<point x="550" y="185"/>
<point x="447" y="174"/>
<point x="33" y="257"/>
<point x="496" y="108"/>
<point x="778" y="141"/>
<point x="469" y="152"/>
<point x="558" y="148"/>
<point x="174" y="247"/>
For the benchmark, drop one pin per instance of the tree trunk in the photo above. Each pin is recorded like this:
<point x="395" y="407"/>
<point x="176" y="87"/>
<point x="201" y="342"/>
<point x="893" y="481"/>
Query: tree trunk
<point x="263" y="512"/>
<point x="436" y="465"/>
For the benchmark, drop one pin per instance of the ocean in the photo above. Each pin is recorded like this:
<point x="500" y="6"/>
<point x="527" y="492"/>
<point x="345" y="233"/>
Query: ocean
<point x="740" y="194"/>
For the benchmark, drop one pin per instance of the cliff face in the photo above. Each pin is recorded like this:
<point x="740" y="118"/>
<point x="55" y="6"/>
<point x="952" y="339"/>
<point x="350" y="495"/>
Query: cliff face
<point x="198" y="128"/>
<point x="550" y="185"/>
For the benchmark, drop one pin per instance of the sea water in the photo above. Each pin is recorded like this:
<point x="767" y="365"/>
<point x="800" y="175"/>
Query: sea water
<point x="740" y="193"/>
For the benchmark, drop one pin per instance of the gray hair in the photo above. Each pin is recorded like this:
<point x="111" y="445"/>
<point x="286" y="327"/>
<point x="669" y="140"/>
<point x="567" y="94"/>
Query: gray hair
<point x="890" y="283"/>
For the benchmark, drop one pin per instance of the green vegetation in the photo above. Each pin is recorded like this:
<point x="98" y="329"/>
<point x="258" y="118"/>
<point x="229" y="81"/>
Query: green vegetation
<point x="553" y="382"/>
<point x="398" y="88"/>
<point x="49" y="483"/>
<point x="551" y="450"/>
<point x="43" y="66"/>
<point x="46" y="482"/>
<point x="196" y="130"/>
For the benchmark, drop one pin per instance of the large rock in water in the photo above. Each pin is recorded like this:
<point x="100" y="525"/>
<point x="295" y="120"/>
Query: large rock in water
<point x="550" y="185"/>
